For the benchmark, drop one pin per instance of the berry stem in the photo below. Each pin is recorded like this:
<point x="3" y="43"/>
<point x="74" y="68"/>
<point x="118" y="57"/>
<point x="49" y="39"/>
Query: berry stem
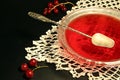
<point x="61" y="4"/>
<point x="38" y="67"/>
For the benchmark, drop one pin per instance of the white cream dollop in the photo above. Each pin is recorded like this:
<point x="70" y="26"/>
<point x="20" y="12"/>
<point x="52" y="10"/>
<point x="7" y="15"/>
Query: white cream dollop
<point x="99" y="39"/>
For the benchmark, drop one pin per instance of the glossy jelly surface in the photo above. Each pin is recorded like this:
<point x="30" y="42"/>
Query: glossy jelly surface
<point x="91" y="24"/>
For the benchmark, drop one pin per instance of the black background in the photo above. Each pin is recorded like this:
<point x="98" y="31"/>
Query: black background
<point x="17" y="31"/>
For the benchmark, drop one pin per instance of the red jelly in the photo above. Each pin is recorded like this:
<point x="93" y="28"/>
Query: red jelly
<point x="91" y="24"/>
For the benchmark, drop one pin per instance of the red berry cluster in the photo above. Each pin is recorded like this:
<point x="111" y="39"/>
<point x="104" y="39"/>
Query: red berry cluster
<point x="55" y="6"/>
<point x="29" y="73"/>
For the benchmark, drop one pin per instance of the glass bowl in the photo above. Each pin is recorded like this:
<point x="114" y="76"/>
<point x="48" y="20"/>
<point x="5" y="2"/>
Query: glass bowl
<point x="91" y="21"/>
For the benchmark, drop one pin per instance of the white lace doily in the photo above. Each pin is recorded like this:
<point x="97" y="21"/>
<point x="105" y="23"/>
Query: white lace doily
<point x="48" y="49"/>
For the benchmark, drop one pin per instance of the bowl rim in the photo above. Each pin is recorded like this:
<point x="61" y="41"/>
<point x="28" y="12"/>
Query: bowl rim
<point x="92" y="10"/>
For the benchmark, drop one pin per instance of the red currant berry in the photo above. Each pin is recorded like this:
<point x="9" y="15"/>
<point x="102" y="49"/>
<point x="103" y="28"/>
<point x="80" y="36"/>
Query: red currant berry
<point x="64" y="9"/>
<point x="56" y="2"/>
<point x="50" y="5"/>
<point x="45" y="11"/>
<point x="56" y="10"/>
<point x="33" y="62"/>
<point x="49" y="11"/>
<point x="24" y="67"/>
<point x="62" y="6"/>
<point x="29" y="73"/>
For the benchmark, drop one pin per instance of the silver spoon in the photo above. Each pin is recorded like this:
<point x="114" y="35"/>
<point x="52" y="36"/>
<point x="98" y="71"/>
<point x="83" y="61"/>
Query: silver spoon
<point x="97" y="39"/>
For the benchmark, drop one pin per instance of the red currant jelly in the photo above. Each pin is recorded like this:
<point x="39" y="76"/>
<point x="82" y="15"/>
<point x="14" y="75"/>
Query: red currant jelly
<point x="91" y="24"/>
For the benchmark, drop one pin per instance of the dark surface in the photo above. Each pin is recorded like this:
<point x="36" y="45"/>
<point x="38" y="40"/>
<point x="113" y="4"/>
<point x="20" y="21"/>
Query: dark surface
<point x="17" y="32"/>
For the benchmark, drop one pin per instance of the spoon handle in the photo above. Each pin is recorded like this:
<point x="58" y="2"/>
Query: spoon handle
<point x="41" y="17"/>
